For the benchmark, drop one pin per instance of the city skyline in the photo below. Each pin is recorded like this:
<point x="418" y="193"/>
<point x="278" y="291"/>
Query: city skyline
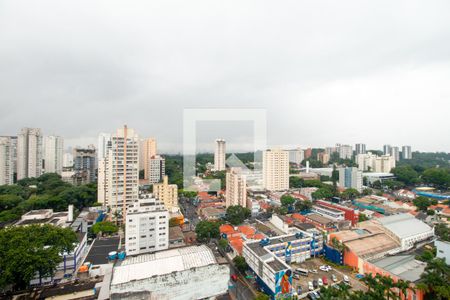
<point x="375" y="82"/>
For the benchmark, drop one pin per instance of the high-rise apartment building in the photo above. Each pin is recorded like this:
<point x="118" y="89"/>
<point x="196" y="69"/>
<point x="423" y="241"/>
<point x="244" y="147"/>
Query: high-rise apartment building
<point x="156" y="169"/>
<point x="406" y="152"/>
<point x="323" y="157"/>
<point x="29" y="153"/>
<point x="236" y="188"/>
<point x="53" y="154"/>
<point x="85" y="162"/>
<point x="67" y="160"/>
<point x="365" y="161"/>
<point x="146" y="226"/>
<point x="219" y="155"/>
<point x="296" y="156"/>
<point x="276" y="170"/>
<point x="167" y="194"/>
<point x="395" y="152"/>
<point x="345" y="151"/>
<point x="6" y="161"/>
<point x="148" y="147"/>
<point x="360" y="149"/>
<point x="384" y="164"/>
<point x="350" y="178"/>
<point x="331" y="150"/>
<point x="119" y="183"/>
<point x="387" y="149"/>
<point x="104" y="143"/>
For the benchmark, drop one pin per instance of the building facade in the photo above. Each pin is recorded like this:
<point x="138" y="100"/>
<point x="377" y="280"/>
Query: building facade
<point x="219" y="155"/>
<point x="360" y="149"/>
<point x="345" y="152"/>
<point x="85" y="162"/>
<point x="236" y="188"/>
<point x="146" y="226"/>
<point x="148" y="148"/>
<point x="395" y="152"/>
<point x="53" y="154"/>
<point x="406" y="152"/>
<point x="167" y="194"/>
<point x="29" y="153"/>
<point x="296" y="156"/>
<point x="350" y="178"/>
<point x="156" y="169"/>
<point x="6" y="161"/>
<point x="387" y="149"/>
<point x="276" y="170"/>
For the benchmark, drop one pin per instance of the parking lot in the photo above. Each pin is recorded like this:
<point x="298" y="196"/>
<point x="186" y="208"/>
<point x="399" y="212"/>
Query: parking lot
<point x="313" y="266"/>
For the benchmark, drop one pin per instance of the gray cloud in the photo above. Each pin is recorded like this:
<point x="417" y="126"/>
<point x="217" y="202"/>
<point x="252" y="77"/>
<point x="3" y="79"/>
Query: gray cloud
<point x="326" y="71"/>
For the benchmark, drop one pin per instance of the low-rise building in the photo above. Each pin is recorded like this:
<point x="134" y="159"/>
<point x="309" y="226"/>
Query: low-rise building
<point x="443" y="250"/>
<point x="350" y="214"/>
<point x="329" y="212"/>
<point x="177" y="274"/>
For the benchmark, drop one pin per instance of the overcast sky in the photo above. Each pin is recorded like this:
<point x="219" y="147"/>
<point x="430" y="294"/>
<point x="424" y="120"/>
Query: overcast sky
<point x="327" y="72"/>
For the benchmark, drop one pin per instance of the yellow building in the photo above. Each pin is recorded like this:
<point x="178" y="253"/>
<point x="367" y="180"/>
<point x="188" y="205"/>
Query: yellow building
<point x="167" y="193"/>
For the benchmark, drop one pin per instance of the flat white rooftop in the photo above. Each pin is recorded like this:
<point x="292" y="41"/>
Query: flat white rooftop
<point x="163" y="262"/>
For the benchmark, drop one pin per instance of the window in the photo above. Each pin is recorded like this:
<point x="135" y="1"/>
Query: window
<point x="142" y="248"/>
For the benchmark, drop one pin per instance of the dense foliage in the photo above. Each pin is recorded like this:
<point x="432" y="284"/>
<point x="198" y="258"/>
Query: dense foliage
<point x="237" y="214"/>
<point x="46" y="191"/>
<point x="104" y="227"/>
<point x="27" y="251"/>
<point x="240" y="263"/>
<point x="207" y="230"/>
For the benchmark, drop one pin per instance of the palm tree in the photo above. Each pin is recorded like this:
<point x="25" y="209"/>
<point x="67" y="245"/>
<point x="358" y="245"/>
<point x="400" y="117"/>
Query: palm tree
<point x="403" y="286"/>
<point x="435" y="279"/>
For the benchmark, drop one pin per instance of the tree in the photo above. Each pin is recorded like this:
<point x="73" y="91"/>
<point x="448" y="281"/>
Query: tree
<point x="287" y="200"/>
<point x="303" y="205"/>
<point x="362" y="217"/>
<point x="240" y="264"/>
<point x="29" y="250"/>
<point x="367" y="192"/>
<point x="442" y="231"/>
<point x="296" y="182"/>
<point x="322" y="193"/>
<point x="431" y="212"/>
<point x="9" y="201"/>
<point x="406" y="174"/>
<point x="435" y="279"/>
<point x="223" y="244"/>
<point x="206" y="230"/>
<point x="437" y="176"/>
<point x="349" y="193"/>
<point x="262" y="296"/>
<point x="104" y="227"/>
<point x="236" y="214"/>
<point x="422" y="203"/>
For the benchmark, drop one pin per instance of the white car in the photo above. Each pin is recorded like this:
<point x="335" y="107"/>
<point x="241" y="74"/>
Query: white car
<point x="310" y="286"/>
<point x="324" y="268"/>
<point x="346" y="278"/>
<point x="320" y="282"/>
<point x="334" y="278"/>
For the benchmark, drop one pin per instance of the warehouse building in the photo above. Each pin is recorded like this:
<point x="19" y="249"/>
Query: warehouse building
<point x="176" y="274"/>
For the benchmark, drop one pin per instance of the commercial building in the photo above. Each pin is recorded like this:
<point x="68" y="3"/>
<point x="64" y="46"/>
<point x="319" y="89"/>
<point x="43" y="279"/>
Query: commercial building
<point x="276" y="170"/>
<point x="148" y="150"/>
<point x="85" y="163"/>
<point x="406" y="152"/>
<point x="156" y="169"/>
<point x="118" y="173"/>
<point x="29" y="153"/>
<point x="350" y="178"/>
<point x="321" y="222"/>
<point x="296" y="156"/>
<point x="53" y="154"/>
<point x="167" y="194"/>
<point x="345" y="151"/>
<point x="395" y="153"/>
<point x="443" y="250"/>
<point x="177" y="274"/>
<point x="329" y="212"/>
<point x="219" y="155"/>
<point x="360" y="149"/>
<point x="6" y="161"/>
<point x="236" y="188"/>
<point x="406" y="229"/>
<point x="269" y="259"/>
<point x="146" y="226"/>
<point x="373" y="177"/>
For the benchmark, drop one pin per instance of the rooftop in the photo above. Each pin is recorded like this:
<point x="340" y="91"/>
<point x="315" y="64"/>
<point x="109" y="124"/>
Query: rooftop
<point x="163" y="262"/>
<point x="403" y="266"/>
<point x="318" y="218"/>
<point x="404" y="225"/>
<point x="98" y="254"/>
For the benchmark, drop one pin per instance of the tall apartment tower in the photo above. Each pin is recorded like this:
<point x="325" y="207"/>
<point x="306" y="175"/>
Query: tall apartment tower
<point x="167" y="193"/>
<point x="406" y="152"/>
<point x="345" y="151"/>
<point x="395" y="152"/>
<point x="148" y="147"/>
<point x="104" y="142"/>
<point x="85" y="162"/>
<point x="53" y="154"/>
<point x="384" y="164"/>
<point x="219" y="155"/>
<point x="29" y="153"/>
<point x="276" y="170"/>
<point x="236" y="188"/>
<point x="119" y="182"/>
<point x="296" y="156"/>
<point x="350" y="178"/>
<point x="387" y="149"/>
<point x="146" y="226"/>
<point x="360" y="149"/>
<point x="156" y="169"/>
<point x="6" y="161"/>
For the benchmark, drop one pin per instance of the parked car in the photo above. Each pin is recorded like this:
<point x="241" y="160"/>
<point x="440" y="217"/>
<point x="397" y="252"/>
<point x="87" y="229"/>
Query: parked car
<point x="359" y="276"/>
<point x="315" y="284"/>
<point x="325" y="268"/>
<point x="346" y="279"/>
<point x="234" y="277"/>
<point x="325" y="280"/>
<point x="334" y="278"/>
<point x="320" y="282"/>
<point x="313" y="271"/>
<point x="316" y="294"/>
<point x="310" y="286"/>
